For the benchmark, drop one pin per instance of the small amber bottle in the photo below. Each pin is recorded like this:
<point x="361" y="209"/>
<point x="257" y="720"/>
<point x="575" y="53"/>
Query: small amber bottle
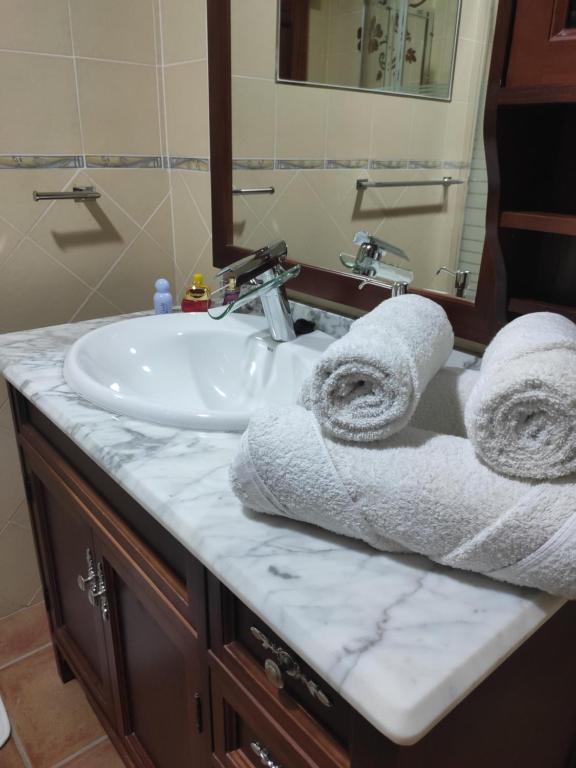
<point x="197" y="296"/>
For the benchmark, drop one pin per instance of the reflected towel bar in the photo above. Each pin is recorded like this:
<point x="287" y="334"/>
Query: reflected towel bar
<point x="80" y="194"/>
<point x="446" y="182"/>
<point x="254" y="191"/>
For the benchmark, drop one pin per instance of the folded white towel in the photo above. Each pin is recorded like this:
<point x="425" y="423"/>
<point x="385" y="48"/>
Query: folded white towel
<point x="418" y="492"/>
<point x="4" y="724"/>
<point x="442" y="405"/>
<point x="366" y="386"/>
<point x="521" y="414"/>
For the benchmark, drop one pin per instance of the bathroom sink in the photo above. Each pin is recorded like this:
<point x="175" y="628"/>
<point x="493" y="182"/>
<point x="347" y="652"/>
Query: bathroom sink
<point x="187" y="370"/>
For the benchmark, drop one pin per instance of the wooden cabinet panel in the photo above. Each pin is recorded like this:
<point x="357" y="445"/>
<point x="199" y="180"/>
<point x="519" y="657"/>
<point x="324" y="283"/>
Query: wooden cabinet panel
<point x="543" y="50"/>
<point x="155" y="655"/>
<point x="67" y="540"/>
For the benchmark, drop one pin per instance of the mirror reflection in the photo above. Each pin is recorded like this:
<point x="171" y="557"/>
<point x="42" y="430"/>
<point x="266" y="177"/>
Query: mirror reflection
<point x="391" y="188"/>
<point x="395" y="46"/>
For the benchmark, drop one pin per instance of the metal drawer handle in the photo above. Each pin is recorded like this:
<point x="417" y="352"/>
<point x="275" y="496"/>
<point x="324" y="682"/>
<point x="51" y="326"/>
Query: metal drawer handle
<point x="97" y="595"/>
<point x="264" y="756"/>
<point x="286" y="663"/>
<point x="83" y="581"/>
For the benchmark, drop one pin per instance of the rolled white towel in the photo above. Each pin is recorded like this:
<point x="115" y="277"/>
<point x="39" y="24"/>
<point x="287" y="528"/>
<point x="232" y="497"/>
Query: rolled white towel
<point x="521" y="414"/>
<point x="366" y="386"/>
<point x="418" y="492"/>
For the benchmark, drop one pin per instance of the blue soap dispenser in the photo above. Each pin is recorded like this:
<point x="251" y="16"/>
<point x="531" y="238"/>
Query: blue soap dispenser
<point x="162" y="298"/>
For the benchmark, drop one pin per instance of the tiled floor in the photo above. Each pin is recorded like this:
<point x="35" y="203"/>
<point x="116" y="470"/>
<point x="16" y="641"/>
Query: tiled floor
<point x="52" y="724"/>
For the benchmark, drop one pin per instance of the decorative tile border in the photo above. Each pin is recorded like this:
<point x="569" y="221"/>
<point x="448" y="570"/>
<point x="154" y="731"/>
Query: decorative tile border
<point x="123" y="161"/>
<point x="334" y="165"/>
<point x="307" y="164"/>
<point x="187" y="163"/>
<point x="253" y="165"/>
<point x="299" y="165"/>
<point x="42" y="162"/>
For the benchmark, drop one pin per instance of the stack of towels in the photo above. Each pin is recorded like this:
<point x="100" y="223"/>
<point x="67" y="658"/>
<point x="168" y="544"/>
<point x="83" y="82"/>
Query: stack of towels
<point x="474" y="469"/>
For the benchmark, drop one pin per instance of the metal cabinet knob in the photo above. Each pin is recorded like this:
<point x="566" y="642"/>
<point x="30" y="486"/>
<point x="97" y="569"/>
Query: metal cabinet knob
<point x="274" y="673"/>
<point x="83" y="581"/>
<point x="263" y="755"/>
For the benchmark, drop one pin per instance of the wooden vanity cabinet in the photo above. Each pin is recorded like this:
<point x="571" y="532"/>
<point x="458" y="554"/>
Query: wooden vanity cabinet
<point x="182" y="674"/>
<point x="132" y="646"/>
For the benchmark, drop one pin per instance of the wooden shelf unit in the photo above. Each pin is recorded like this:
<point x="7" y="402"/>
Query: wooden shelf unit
<point x="530" y="129"/>
<point x="536" y="221"/>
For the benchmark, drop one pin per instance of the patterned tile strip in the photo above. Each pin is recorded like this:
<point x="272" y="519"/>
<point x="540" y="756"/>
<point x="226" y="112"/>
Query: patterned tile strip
<point x="123" y="161"/>
<point x="188" y="163"/>
<point x="29" y="162"/>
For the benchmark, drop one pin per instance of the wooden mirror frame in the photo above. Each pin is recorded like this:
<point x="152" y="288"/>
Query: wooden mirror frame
<point x="476" y="321"/>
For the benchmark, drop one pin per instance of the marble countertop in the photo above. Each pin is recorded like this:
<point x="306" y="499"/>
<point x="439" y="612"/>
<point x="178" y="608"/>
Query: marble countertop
<point x="403" y="640"/>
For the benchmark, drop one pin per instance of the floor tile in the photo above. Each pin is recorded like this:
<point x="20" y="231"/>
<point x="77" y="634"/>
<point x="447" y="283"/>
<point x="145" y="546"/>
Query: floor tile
<point x="23" y="632"/>
<point x="9" y="756"/>
<point x="52" y="720"/>
<point x="102" y="756"/>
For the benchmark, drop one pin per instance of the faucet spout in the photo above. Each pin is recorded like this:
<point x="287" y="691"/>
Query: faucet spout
<point x="264" y="270"/>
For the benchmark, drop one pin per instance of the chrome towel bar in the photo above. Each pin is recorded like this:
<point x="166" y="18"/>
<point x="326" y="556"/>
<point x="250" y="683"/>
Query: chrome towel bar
<point x="254" y="191"/>
<point x="445" y="182"/>
<point x="80" y="194"/>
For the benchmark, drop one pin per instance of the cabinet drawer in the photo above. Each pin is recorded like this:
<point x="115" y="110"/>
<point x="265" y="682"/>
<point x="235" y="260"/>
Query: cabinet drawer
<point x="255" y="655"/>
<point x="247" y="733"/>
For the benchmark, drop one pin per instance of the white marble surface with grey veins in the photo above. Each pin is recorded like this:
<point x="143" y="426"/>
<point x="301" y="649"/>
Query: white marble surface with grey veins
<point x="401" y="639"/>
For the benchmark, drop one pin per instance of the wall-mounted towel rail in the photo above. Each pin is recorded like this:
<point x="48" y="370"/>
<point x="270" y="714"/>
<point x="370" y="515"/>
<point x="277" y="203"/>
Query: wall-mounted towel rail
<point x="254" y="191"/>
<point x="80" y="194"/>
<point x="445" y="182"/>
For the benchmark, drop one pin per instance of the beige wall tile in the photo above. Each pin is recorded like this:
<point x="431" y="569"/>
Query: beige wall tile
<point x="35" y="25"/>
<point x="187" y="109"/>
<point x="10" y="479"/>
<point x="88" y="237"/>
<point x="253" y="25"/>
<point x="301" y="122"/>
<point x="39" y="112"/>
<point x="37" y="291"/>
<point x="9" y="239"/>
<point x="16" y="203"/>
<point x="119" y="108"/>
<point x="130" y="285"/>
<point x="253" y="117"/>
<point x="183" y="30"/>
<point x="96" y="306"/>
<point x="159" y="227"/>
<point x="349" y="124"/>
<point x="19" y="577"/>
<point x="428" y="130"/>
<point x="137" y="191"/>
<point x="110" y="29"/>
<point x="198" y="185"/>
<point x="392" y="121"/>
<point x="191" y="234"/>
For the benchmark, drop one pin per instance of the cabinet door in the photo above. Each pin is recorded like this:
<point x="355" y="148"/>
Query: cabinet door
<point x="543" y="50"/>
<point x="156" y="656"/>
<point x="68" y="550"/>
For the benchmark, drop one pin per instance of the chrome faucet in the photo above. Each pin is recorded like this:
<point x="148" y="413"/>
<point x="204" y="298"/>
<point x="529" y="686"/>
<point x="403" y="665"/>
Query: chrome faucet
<point x="368" y="259"/>
<point x="371" y="251"/>
<point x="264" y="270"/>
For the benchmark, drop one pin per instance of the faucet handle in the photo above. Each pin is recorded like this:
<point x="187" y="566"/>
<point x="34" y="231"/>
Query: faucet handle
<point x="268" y="256"/>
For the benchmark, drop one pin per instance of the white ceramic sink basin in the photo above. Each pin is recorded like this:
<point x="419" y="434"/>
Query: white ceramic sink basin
<point x="187" y="370"/>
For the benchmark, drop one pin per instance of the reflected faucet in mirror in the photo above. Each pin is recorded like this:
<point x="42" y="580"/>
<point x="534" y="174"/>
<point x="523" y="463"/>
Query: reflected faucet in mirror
<point x="370" y="262"/>
<point x="265" y="272"/>
<point x="460" y="279"/>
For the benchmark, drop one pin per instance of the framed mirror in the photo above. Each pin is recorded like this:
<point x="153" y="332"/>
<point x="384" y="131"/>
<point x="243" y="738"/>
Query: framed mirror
<point x="323" y="168"/>
<point x="386" y="46"/>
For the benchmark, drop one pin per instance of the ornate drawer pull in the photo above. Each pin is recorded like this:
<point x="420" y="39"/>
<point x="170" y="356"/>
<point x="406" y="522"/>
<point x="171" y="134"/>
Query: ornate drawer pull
<point x="97" y="594"/>
<point x="286" y="663"/>
<point x="83" y="581"/>
<point x="264" y="756"/>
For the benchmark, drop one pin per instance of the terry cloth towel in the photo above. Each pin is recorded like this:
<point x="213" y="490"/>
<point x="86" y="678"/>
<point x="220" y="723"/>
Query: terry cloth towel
<point x="416" y="492"/>
<point x="4" y="724"/>
<point x="366" y="386"/>
<point x="521" y="415"/>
